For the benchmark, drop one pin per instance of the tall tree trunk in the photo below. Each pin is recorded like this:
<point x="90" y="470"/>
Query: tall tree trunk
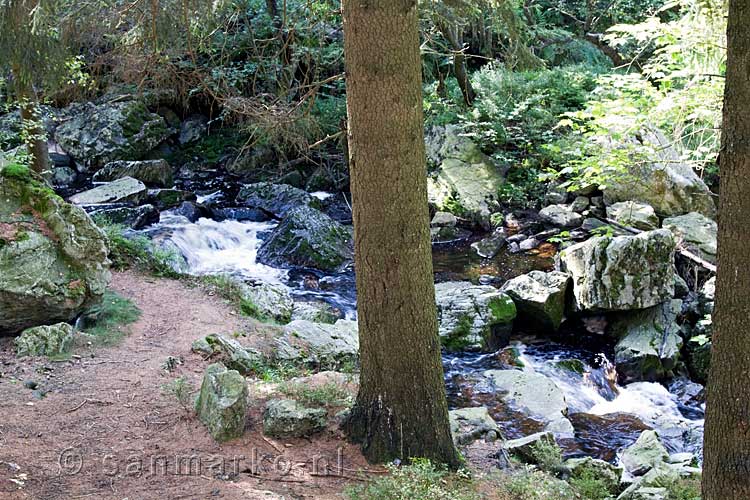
<point x="726" y="468"/>
<point x="37" y="143"/>
<point x="401" y="408"/>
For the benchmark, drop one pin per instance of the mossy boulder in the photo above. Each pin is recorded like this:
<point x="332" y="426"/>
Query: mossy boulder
<point x="473" y="316"/>
<point x="233" y="354"/>
<point x="661" y="179"/>
<point x="150" y="172"/>
<point x="164" y="199"/>
<point x="540" y="298"/>
<point x="286" y="418"/>
<point x="645" y="454"/>
<point x="649" y="342"/>
<point x="316" y="311"/>
<point x="266" y="301"/>
<point x="53" y="258"/>
<point x="634" y="214"/>
<point x="696" y="233"/>
<point x="96" y="134"/>
<point x="307" y="237"/>
<point x="222" y="402"/>
<point x="317" y="344"/>
<point x="47" y="340"/>
<point x="125" y="191"/>
<point x="133" y="217"/>
<point x="470" y="424"/>
<point x="621" y="273"/>
<point x="464" y="181"/>
<point x="278" y="200"/>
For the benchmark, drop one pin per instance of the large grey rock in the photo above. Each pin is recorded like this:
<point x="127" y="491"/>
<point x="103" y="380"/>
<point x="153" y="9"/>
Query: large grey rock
<point x="536" y="395"/>
<point x="643" y="455"/>
<point x="267" y="301"/>
<point x="233" y="354"/>
<point x="469" y="424"/>
<point x="696" y="233"/>
<point x="133" y="217"/>
<point x="488" y="247"/>
<point x="525" y="447"/>
<point x="49" y="340"/>
<point x="316" y="311"/>
<point x="53" y="259"/>
<point x="324" y="345"/>
<point x="285" y="418"/>
<point x="465" y="181"/>
<point x="119" y="130"/>
<point x="127" y="190"/>
<point x="151" y="172"/>
<point x="309" y="238"/>
<point x="473" y="316"/>
<point x="662" y="179"/>
<point x="164" y="199"/>
<point x="276" y="199"/>
<point x="634" y="214"/>
<point x="621" y="273"/>
<point x="539" y="297"/>
<point x="222" y="402"/>
<point x="649" y="342"/>
<point x="561" y="216"/>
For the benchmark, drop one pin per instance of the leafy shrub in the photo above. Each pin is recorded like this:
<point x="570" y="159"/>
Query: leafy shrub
<point x="518" y="110"/>
<point x="589" y="486"/>
<point x="420" y="480"/>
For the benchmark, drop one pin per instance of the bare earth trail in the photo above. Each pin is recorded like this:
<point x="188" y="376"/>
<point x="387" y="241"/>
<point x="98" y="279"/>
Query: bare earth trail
<point x="106" y="414"/>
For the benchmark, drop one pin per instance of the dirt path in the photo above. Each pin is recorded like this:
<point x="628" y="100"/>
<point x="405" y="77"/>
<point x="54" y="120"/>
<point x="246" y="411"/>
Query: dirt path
<point x="107" y="429"/>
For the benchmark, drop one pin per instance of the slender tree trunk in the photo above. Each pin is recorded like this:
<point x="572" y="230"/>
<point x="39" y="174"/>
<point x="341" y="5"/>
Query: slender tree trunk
<point x="37" y="145"/>
<point x="459" y="63"/>
<point x="726" y="468"/>
<point x="401" y="409"/>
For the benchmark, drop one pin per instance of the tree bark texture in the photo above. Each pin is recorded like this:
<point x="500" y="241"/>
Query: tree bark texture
<point x="401" y="409"/>
<point x="726" y="468"/>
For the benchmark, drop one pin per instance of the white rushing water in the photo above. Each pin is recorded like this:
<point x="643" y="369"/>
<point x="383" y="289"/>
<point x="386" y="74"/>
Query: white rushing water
<point x="597" y="393"/>
<point x="219" y="247"/>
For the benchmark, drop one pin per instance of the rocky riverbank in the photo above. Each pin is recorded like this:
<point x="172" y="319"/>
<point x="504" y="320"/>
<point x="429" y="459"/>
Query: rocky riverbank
<point x="608" y="270"/>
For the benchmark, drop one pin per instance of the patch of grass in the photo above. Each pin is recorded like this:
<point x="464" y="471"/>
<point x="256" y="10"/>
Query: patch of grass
<point x="421" y="480"/>
<point x="683" y="489"/>
<point x="138" y="253"/>
<point x="327" y="395"/>
<point x="107" y="321"/>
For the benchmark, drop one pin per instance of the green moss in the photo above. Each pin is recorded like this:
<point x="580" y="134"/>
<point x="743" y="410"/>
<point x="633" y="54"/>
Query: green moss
<point x="572" y="365"/>
<point x="134" y="119"/>
<point x="458" y="339"/>
<point x="16" y="171"/>
<point x="503" y="310"/>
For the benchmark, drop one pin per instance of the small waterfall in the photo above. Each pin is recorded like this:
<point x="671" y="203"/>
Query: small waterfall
<point x="213" y="247"/>
<point x="595" y="392"/>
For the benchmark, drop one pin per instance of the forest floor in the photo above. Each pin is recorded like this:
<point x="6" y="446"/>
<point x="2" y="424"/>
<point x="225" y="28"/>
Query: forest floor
<point x="107" y="428"/>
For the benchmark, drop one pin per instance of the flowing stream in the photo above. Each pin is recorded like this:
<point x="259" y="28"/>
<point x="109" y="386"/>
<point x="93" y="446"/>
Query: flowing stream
<point x="605" y="415"/>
